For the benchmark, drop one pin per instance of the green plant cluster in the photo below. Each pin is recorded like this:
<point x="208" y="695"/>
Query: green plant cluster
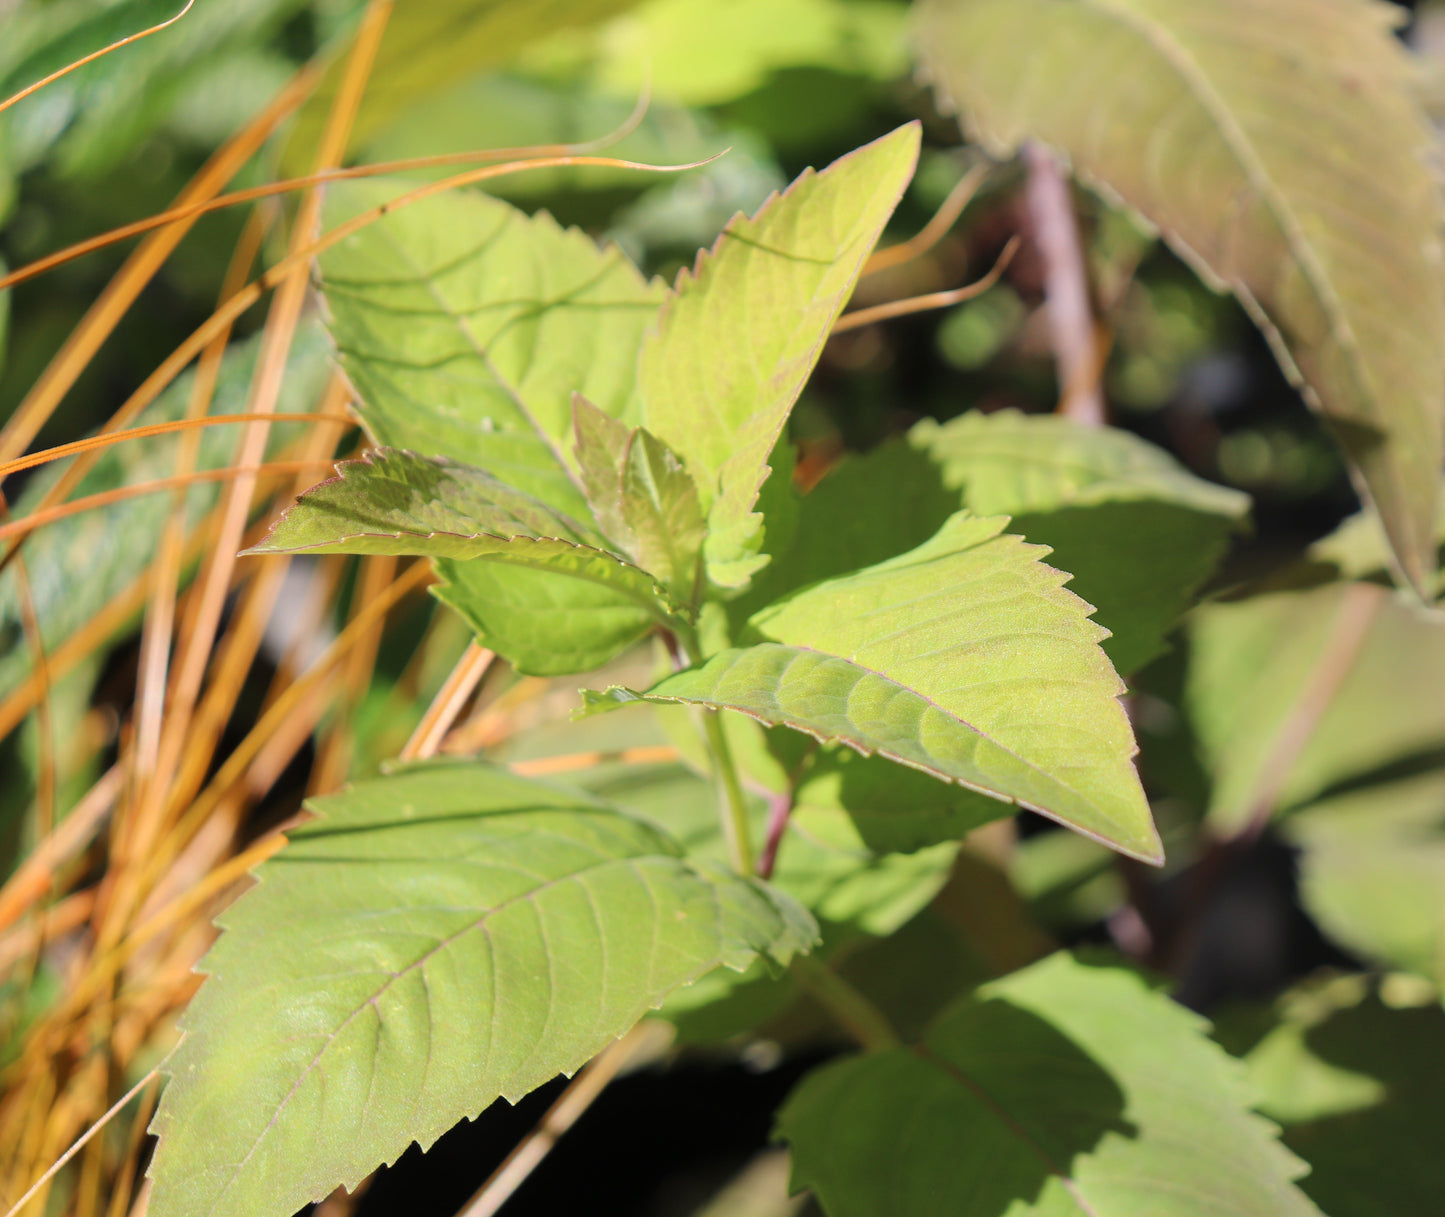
<point x="980" y="616"/>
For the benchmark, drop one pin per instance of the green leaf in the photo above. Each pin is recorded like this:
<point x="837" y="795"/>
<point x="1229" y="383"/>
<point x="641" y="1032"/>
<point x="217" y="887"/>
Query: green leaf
<point x="1267" y="166"/>
<point x="641" y="496"/>
<point x="1360" y="1089"/>
<point x="430" y="46"/>
<point x="438" y="939"/>
<point x="1294" y="692"/>
<point x="1064" y="1088"/>
<point x="858" y="893"/>
<point x="964" y="658"/>
<point x="400" y="503"/>
<point x="739" y="336"/>
<point x="561" y="604"/>
<point x="1372" y="871"/>
<point x="466" y="326"/>
<point x="681" y="49"/>
<point x="1138" y="532"/>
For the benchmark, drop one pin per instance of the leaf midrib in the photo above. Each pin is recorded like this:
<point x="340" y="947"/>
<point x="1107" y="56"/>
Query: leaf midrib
<point x="478" y="923"/>
<point x="1177" y="57"/>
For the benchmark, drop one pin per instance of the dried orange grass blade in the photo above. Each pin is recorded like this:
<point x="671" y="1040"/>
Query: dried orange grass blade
<point x="92" y="57"/>
<point x="109" y="439"/>
<point x="934" y="300"/>
<point x="449" y="702"/>
<point x="108" y="498"/>
<point x="268" y="190"/>
<point x="931" y="233"/>
<point x="101" y="318"/>
<point x="175" y="363"/>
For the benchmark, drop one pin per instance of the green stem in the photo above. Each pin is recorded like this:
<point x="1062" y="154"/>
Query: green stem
<point x="864" y="1021"/>
<point x="732" y="803"/>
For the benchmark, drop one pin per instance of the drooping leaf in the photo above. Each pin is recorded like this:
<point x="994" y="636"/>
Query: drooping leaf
<point x="430" y="46"/>
<point x="466" y="326"/>
<point x="400" y="503"/>
<point x="1358" y="1086"/>
<point x="81" y="563"/>
<point x="1137" y="531"/>
<point x="1268" y="165"/>
<point x="1291" y="693"/>
<point x="739" y="336"/>
<point x="964" y="658"/>
<point x="1372" y="870"/>
<point x="439" y="939"/>
<point x="1066" y="1088"/>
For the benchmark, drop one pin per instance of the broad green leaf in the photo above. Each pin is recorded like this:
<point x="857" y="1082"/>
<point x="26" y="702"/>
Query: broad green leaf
<point x="1268" y="165"/>
<point x="1359" y="549"/>
<point x="78" y="565"/>
<point x="858" y="894"/>
<point x="1064" y="1089"/>
<point x="964" y="658"/>
<point x="691" y="51"/>
<point x="1294" y="692"/>
<point x="893" y="809"/>
<point x="1137" y="532"/>
<point x="1372" y="870"/>
<point x="1359" y="1087"/>
<point x="739" y="336"/>
<point x="544" y="623"/>
<point x="430" y="46"/>
<point x="438" y="939"/>
<point x="466" y="326"/>
<point x="400" y="503"/>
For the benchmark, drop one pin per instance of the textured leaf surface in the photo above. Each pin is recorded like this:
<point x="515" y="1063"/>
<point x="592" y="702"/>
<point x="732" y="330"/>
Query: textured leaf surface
<point x="1372" y="871"/>
<point x="400" y="503"/>
<point x="858" y="894"/>
<point x="641" y="496"/>
<point x="466" y="326"/>
<point x="1360" y="1090"/>
<point x="1355" y="670"/>
<point x="964" y="658"/>
<point x="740" y="335"/>
<point x="1065" y="1089"/>
<point x="1137" y="532"/>
<point x="1270" y="164"/>
<point x="438" y="939"/>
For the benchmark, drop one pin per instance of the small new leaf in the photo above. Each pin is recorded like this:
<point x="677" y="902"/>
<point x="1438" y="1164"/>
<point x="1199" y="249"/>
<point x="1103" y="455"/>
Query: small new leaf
<point x="641" y="496"/>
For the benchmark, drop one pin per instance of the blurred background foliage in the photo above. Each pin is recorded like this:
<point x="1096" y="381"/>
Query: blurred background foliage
<point x="780" y="84"/>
